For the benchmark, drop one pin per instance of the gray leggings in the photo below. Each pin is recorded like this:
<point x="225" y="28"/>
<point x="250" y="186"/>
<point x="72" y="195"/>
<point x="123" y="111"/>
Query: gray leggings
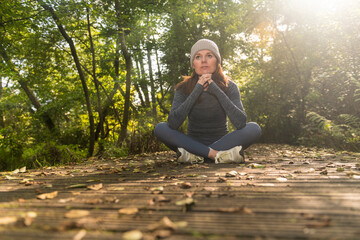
<point x="175" y="139"/>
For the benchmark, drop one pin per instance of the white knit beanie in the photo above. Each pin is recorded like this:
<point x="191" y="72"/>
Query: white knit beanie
<point x="203" y="44"/>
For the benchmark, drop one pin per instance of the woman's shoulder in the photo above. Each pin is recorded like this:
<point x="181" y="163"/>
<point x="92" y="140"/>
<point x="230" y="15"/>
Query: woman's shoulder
<point x="232" y="84"/>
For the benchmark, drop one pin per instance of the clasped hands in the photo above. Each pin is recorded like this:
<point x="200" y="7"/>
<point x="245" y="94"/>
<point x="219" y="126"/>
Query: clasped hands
<point x="205" y="80"/>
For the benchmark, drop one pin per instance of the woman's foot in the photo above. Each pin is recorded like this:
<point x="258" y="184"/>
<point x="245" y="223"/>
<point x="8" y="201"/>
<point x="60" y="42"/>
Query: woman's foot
<point x="233" y="155"/>
<point x="184" y="156"/>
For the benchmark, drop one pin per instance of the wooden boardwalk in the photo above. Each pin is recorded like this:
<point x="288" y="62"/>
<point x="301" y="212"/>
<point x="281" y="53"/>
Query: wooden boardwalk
<point x="281" y="192"/>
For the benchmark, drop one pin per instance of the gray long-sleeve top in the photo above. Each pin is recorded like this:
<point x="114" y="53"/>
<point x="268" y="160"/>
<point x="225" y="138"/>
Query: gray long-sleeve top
<point x="207" y="111"/>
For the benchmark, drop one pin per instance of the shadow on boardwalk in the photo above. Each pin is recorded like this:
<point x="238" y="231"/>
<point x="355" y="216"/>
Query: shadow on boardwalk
<point x="280" y="192"/>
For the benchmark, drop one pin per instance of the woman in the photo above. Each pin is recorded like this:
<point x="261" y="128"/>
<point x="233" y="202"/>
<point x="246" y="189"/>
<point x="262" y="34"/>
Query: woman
<point x="207" y="98"/>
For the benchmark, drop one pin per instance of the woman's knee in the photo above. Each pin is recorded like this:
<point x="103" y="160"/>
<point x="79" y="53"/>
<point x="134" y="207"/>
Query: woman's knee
<point x="255" y="128"/>
<point x="160" y="129"/>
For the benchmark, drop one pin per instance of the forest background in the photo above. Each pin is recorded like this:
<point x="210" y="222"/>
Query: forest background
<point x="93" y="77"/>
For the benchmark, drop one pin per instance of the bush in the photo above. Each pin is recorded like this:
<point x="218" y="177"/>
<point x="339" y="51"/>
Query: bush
<point x="49" y="154"/>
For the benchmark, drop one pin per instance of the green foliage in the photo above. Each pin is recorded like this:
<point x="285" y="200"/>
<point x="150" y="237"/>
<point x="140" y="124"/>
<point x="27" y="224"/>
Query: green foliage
<point x="49" y="154"/>
<point x="342" y="133"/>
<point x="297" y="67"/>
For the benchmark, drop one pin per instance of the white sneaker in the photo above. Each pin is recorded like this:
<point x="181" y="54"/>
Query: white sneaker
<point x="232" y="155"/>
<point x="186" y="157"/>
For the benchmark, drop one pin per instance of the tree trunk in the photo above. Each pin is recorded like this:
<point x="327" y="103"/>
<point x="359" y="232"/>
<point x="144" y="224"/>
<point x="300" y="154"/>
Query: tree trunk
<point x="2" y="124"/>
<point x="159" y="70"/>
<point x="137" y="87"/>
<point x="127" y="57"/>
<point x="96" y="83"/>
<point x="143" y="84"/>
<point x="80" y="72"/>
<point x="33" y="99"/>
<point x="152" y="85"/>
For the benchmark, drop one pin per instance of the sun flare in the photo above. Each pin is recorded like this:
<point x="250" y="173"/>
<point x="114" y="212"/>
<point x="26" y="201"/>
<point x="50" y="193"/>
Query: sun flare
<point x="323" y="6"/>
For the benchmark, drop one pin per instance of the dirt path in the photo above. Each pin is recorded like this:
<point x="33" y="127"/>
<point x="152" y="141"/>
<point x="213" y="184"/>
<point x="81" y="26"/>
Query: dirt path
<point x="281" y="192"/>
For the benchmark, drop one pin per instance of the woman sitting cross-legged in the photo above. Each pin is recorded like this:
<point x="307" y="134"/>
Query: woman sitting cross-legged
<point x="207" y="98"/>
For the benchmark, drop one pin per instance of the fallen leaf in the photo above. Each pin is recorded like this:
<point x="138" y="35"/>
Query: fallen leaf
<point x="250" y="177"/>
<point x="157" y="190"/>
<point x="93" y="180"/>
<point x="29" y="218"/>
<point x="256" y="165"/>
<point x="95" y="187"/>
<point x="8" y="220"/>
<point x="161" y="199"/>
<point x="93" y="201"/>
<point x="66" y="200"/>
<point x="26" y="180"/>
<point x="22" y="170"/>
<point x="80" y="235"/>
<point x="164" y="224"/>
<point x="265" y="185"/>
<point x="128" y="211"/>
<point x="325" y="172"/>
<point x="47" y="195"/>
<point x="281" y="179"/>
<point x="221" y="179"/>
<point x="189" y="194"/>
<point x="202" y="176"/>
<point x="210" y="189"/>
<point x="116" y="188"/>
<point x="11" y="178"/>
<point x="242" y="209"/>
<point x="159" y="234"/>
<point x="192" y="175"/>
<point x="77" y="213"/>
<point x="318" y="224"/>
<point x="132" y="235"/>
<point x="87" y="222"/>
<point x="77" y="186"/>
<point x="181" y="224"/>
<point x="187" y="204"/>
<point x="185" y="185"/>
<point x="231" y="174"/>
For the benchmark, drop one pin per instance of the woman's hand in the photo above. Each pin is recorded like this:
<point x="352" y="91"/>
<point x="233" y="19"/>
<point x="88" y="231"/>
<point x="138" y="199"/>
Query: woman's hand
<point x="205" y="80"/>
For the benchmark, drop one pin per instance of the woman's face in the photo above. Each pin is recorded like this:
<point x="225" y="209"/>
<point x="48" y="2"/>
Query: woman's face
<point x="204" y="62"/>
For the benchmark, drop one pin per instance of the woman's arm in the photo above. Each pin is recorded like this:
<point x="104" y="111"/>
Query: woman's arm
<point x="182" y="105"/>
<point x="231" y="102"/>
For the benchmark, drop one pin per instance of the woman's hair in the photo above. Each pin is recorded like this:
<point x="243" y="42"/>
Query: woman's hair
<point x="188" y="83"/>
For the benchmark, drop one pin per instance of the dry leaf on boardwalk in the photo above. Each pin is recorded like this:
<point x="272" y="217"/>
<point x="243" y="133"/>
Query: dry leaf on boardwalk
<point x="77" y="213"/>
<point x="132" y="235"/>
<point x="242" y="209"/>
<point x="221" y="179"/>
<point x="161" y="199"/>
<point x="210" y="189"/>
<point x="231" y="174"/>
<point x="47" y="195"/>
<point x="185" y="185"/>
<point x="128" y="211"/>
<point x="189" y="194"/>
<point x="281" y="179"/>
<point x="95" y="187"/>
<point x="29" y="218"/>
<point x="186" y="204"/>
<point x="78" y="186"/>
<point x="157" y="190"/>
<point x="318" y="224"/>
<point x="80" y="235"/>
<point x="8" y="220"/>
<point x="164" y="224"/>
